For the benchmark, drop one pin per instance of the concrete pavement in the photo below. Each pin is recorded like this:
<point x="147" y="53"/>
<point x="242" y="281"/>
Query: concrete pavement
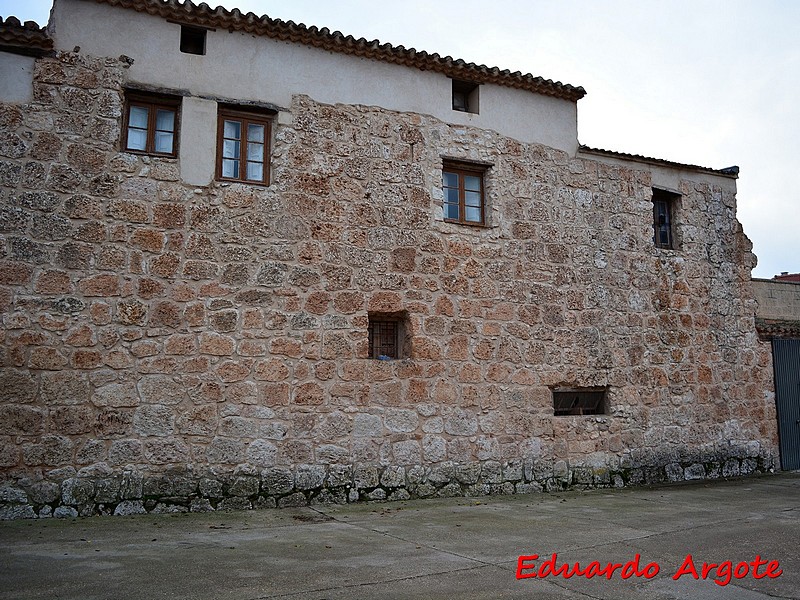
<point x="443" y="548"/>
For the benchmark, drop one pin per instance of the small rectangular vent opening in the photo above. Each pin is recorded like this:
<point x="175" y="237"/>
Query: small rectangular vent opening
<point x="466" y="97"/>
<point x="193" y="40"/>
<point x="579" y="401"/>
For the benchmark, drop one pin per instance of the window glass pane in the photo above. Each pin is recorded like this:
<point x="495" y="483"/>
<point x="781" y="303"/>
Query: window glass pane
<point x="165" y="120"/>
<point x="255" y="133"/>
<point x="138" y="117"/>
<point x="450" y="179"/>
<point x="255" y="152"/>
<point x="472" y="183"/>
<point x="230" y="168"/>
<point x="255" y="171"/>
<point x="473" y="214"/>
<point x="163" y="142"/>
<point x="451" y="195"/>
<point x="472" y="198"/>
<point x="137" y="139"/>
<point x="230" y="149"/>
<point x="232" y="130"/>
<point x="451" y="211"/>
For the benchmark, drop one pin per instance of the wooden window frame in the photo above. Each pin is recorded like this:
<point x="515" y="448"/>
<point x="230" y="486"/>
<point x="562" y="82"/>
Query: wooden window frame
<point x="462" y="171"/>
<point x="664" y="216"/>
<point x="245" y="118"/>
<point x="153" y="103"/>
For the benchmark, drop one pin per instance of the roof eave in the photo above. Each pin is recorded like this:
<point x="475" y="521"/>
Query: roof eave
<point x="729" y="172"/>
<point x="204" y="16"/>
<point x="27" y="39"/>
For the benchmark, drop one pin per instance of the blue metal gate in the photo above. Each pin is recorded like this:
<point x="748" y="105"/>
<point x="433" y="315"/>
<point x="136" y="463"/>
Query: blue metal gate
<point x="786" y="359"/>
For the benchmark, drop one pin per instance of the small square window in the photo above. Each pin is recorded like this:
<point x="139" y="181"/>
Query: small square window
<point x="462" y="188"/>
<point x="388" y="336"/>
<point x="579" y="401"/>
<point x="151" y="124"/>
<point x="243" y="148"/>
<point x="466" y="97"/>
<point x="193" y="40"/>
<point x="663" y="218"/>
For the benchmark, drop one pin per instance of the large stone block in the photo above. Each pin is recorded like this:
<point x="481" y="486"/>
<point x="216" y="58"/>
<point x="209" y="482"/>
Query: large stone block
<point x="77" y="492"/>
<point x="277" y="480"/>
<point x="400" y="420"/>
<point x="154" y="420"/>
<point x="261" y="453"/>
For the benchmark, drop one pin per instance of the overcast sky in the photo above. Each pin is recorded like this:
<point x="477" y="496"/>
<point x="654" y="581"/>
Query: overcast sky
<point x="711" y="83"/>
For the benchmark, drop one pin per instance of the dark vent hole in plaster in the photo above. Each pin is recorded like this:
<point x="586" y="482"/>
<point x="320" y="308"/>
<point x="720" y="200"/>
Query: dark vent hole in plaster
<point x="193" y="40"/>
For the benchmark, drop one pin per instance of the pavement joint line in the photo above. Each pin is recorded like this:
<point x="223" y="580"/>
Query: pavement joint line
<point x="501" y="563"/>
<point x="420" y="544"/>
<point x="680" y="530"/>
<point x="566" y="588"/>
<point x="775" y="595"/>
<point x="367" y="583"/>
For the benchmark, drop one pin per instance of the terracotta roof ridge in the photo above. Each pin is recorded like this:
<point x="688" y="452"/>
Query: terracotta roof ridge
<point x="728" y="171"/>
<point x="12" y="21"/>
<point x="205" y="16"/>
<point x="24" y="38"/>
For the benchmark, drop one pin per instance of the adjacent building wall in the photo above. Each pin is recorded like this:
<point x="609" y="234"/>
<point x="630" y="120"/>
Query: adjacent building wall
<point x="171" y="346"/>
<point x="777" y="300"/>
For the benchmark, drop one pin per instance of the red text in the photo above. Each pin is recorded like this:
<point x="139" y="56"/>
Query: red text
<point x="527" y="567"/>
<point x="723" y="572"/>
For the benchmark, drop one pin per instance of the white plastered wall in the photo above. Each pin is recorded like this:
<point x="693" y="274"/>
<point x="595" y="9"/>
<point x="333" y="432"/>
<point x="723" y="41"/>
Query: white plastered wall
<point x="198" y="143"/>
<point x="16" y="78"/>
<point x="244" y="67"/>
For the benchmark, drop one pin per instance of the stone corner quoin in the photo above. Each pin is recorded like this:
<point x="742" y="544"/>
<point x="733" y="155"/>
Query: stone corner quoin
<point x="171" y="346"/>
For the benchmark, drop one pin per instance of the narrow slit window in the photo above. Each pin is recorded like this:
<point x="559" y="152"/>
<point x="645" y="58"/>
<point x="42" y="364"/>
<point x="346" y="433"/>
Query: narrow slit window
<point x="663" y="218"/>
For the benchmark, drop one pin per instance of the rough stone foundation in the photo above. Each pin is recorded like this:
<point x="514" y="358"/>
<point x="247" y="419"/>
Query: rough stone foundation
<point x="129" y="492"/>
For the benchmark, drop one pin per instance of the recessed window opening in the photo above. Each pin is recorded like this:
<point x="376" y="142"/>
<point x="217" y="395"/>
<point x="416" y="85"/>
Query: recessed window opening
<point x="663" y="218"/>
<point x="388" y="336"/>
<point x="193" y="40"/>
<point x="579" y="401"/>
<point x="466" y="97"/>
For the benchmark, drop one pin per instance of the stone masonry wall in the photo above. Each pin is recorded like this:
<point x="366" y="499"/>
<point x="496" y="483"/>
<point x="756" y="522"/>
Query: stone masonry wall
<point x="171" y="348"/>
